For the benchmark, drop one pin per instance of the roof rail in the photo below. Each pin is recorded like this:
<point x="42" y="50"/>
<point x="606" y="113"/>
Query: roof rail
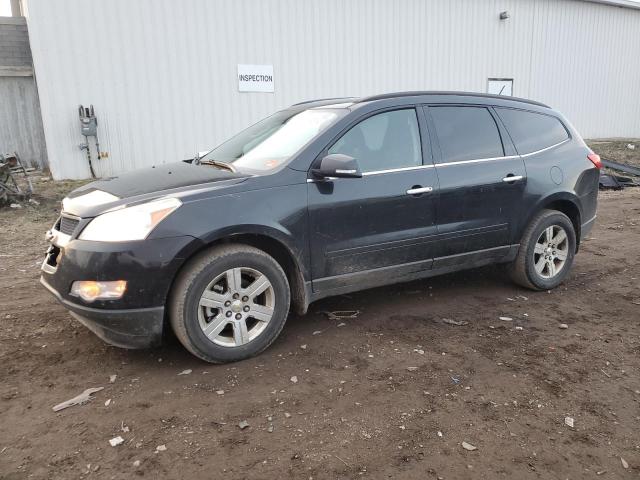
<point x="323" y="100"/>
<point x="460" y="94"/>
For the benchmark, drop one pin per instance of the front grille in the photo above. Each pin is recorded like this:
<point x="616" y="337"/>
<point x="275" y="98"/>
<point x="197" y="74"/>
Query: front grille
<point x="67" y="225"/>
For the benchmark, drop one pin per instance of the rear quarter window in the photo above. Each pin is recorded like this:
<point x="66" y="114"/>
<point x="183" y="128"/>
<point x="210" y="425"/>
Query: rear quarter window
<point x="531" y="131"/>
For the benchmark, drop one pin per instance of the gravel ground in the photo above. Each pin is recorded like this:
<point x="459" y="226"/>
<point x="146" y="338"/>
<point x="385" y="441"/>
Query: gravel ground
<point x="393" y="393"/>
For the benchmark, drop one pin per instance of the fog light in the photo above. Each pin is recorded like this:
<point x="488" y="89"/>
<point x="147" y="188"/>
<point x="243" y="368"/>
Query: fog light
<point x="90" y="290"/>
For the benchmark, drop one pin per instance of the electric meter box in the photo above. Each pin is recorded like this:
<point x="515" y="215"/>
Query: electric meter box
<point x="89" y="126"/>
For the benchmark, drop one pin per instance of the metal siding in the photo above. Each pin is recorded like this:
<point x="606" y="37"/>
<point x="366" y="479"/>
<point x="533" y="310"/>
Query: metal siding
<point x="20" y="120"/>
<point x="162" y="73"/>
<point x="584" y="62"/>
<point x="14" y="43"/>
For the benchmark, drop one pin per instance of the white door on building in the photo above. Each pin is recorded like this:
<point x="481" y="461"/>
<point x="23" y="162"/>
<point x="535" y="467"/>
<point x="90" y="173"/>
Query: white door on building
<point x="500" y="86"/>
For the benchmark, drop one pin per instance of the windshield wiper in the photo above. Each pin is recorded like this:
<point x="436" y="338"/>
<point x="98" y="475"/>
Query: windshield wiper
<point x="215" y="163"/>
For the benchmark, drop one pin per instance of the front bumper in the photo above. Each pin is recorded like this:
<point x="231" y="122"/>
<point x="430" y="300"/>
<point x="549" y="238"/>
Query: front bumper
<point x="136" y="320"/>
<point x="130" y="328"/>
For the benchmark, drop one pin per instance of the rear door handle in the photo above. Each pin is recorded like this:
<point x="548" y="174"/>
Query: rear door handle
<point x="419" y="190"/>
<point x="512" y="178"/>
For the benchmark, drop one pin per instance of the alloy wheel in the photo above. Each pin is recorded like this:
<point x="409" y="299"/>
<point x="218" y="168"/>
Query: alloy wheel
<point x="236" y="307"/>
<point x="551" y="251"/>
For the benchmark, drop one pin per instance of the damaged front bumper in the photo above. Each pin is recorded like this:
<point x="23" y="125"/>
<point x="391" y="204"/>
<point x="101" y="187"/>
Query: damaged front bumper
<point x="135" y="320"/>
<point x="129" y="328"/>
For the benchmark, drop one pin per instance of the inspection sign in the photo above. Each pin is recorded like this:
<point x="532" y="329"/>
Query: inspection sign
<point x="255" y="78"/>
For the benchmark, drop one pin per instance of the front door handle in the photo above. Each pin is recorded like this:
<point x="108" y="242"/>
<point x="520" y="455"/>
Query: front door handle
<point x="512" y="178"/>
<point x="417" y="190"/>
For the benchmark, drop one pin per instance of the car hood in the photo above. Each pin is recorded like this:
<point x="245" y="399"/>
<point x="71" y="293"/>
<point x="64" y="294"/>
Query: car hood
<point x="145" y="184"/>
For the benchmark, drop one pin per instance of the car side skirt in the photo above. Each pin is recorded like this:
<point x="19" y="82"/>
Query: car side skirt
<point x="352" y="282"/>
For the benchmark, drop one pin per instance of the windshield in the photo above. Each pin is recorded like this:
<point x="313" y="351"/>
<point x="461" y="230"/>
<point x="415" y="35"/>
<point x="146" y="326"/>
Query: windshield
<point x="274" y="140"/>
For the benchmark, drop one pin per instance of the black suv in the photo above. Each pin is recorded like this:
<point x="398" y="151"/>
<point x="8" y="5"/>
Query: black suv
<point x="323" y="198"/>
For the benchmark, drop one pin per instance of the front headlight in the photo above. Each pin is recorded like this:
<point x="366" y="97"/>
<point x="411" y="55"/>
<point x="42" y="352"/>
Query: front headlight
<point x="130" y="223"/>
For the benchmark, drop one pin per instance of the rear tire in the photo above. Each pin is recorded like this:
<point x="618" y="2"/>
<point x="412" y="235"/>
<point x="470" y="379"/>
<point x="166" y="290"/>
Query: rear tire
<point x="229" y="303"/>
<point x="546" y="252"/>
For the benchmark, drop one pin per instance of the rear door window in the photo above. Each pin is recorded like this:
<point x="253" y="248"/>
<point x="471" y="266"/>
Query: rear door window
<point x="466" y="133"/>
<point x="531" y="131"/>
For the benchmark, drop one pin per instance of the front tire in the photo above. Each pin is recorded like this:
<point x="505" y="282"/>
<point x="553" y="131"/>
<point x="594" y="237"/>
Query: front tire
<point x="229" y="303"/>
<point x="546" y="252"/>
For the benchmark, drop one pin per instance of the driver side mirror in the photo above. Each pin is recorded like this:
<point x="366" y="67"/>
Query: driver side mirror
<point x="338" y="165"/>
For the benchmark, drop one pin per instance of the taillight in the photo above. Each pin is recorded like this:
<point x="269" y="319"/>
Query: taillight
<point x="595" y="159"/>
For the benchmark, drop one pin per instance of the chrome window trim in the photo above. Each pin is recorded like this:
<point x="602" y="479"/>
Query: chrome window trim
<point x="545" y="149"/>
<point x="477" y="160"/>
<point x="379" y="172"/>
<point x="461" y="162"/>
<point x="509" y="157"/>
<point x="393" y="170"/>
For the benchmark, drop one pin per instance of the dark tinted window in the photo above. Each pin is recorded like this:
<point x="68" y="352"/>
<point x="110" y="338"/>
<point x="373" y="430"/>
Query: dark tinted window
<point x="466" y="133"/>
<point x="384" y="141"/>
<point x="532" y="131"/>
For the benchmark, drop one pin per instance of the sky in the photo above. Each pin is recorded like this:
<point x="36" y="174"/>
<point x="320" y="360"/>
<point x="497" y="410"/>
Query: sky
<point x="5" y="8"/>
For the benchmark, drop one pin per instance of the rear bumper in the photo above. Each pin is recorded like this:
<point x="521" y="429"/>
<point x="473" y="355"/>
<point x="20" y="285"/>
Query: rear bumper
<point x="586" y="227"/>
<point x="129" y="328"/>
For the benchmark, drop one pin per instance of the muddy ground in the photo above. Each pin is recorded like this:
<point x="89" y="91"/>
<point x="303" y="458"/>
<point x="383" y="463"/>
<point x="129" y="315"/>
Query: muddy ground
<point x="392" y="393"/>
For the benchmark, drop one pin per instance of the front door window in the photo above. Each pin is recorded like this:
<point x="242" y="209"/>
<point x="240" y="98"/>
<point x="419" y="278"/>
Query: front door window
<point x="384" y="141"/>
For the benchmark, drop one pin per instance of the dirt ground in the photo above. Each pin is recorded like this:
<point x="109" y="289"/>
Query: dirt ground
<point x="392" y="393"/>
<point x="618" y="150"/>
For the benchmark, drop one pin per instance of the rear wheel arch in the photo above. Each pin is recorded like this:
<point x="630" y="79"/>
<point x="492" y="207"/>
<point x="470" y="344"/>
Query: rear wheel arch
<point x="564" y="203"/>
<point x="571" y="210"/>
<point x="548" y="244"/>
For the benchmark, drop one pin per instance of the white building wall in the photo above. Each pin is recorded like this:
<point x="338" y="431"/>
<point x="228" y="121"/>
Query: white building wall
<point x="162" y="73"/>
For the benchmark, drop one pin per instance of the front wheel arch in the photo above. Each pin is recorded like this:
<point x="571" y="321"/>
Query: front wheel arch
<point x="271" y="246"/>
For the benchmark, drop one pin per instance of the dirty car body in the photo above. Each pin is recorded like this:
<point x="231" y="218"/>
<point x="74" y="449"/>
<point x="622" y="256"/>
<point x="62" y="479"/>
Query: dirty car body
<point x="378" y="190"/>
